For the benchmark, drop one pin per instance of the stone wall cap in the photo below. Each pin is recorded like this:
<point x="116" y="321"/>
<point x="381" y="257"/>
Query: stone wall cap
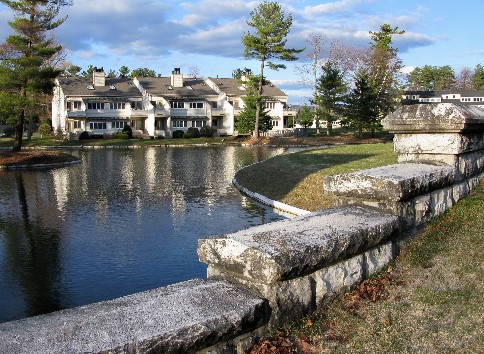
<point x="289" y="248"/>
<point x="399" y="182"/>
<point x="440" y="117"/>
<point x="179" y="318"/>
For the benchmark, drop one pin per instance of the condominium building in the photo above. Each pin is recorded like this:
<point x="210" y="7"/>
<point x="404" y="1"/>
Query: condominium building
<point x="468" y="97"/>
<point x="157" y="106"/>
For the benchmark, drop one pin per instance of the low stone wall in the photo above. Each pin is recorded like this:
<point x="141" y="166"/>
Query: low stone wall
<point x="260" y="277"/>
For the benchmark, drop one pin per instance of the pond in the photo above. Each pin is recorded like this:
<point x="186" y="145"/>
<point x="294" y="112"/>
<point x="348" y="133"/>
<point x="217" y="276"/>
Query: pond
<point x="122" y="221"/>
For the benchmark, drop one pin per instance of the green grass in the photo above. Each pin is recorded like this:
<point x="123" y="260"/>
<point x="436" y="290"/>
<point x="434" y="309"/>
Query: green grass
<point x="297" y="179"/>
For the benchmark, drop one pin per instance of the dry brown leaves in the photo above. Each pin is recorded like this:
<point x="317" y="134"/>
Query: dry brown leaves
<point x="283" y="345"/>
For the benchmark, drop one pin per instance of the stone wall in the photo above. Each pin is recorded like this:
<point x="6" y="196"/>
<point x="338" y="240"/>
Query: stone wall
<point x="260" y="277"/>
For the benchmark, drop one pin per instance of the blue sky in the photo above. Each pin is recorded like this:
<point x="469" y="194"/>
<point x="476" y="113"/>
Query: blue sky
<point x="206" y="34"/>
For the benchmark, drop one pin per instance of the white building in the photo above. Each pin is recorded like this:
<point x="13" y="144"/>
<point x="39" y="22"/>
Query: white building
<point x="155" y="107"/>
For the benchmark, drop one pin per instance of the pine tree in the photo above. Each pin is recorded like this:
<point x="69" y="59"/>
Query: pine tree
<point x="361" y="105"/>
<point x="272" y="28"/>
<point x="25" y="68"/>
<point x="330" y="93"/>
<point x="246" y="119"/>
<point x="478" y="77"/>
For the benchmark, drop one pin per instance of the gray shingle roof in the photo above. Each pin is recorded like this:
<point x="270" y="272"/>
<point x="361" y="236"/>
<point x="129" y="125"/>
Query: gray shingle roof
<point x="77" y="86"/>
<point x="232" y="88"/>
<point x="159" y="86"/>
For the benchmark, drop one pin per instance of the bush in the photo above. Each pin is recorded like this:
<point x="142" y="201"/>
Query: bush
<point x="128" y="131"/>
<point x="45" y="129"/>
<point x="208" y="131"/>
<point x="84" y="135"/>
<point x="121" y="136"/>
<point x="178" y="134"/>
<point x="192" y="132"/>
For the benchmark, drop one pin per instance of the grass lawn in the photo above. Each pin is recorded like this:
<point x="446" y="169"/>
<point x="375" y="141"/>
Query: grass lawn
<point x="297" y="179"/>
<point x="430" y="300"/>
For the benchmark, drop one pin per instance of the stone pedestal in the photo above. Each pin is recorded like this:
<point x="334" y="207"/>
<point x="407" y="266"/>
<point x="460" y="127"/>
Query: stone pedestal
<point x="442" y="133"/>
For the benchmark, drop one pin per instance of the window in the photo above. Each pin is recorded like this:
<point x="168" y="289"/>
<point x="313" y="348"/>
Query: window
<point x="118" y="125"/>
<point x="117" y="105"/>
<point x="196" y="104"/>
<point x="200" y="123"/>
<point x="136" y="105"/>
<point x="97" y="125"/>
<point x="270" y="105"/>
<point x="275" y="123"/>
<point x="76" y="124"/>
<point x="180" y="124"/>
<point x="213" y="104"/>
<point x="95" y="105"/>
<point x="177" y="104"/>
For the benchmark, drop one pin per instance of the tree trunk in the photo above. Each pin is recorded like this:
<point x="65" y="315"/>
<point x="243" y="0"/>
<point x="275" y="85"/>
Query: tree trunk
<point x="259" y="99"/>
<point x="19" y="131"/>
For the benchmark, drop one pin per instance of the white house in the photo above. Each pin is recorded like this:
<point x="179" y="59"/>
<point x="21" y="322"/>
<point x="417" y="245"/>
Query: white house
<point x="471" y="97"/>
<point x="156" y="107"/>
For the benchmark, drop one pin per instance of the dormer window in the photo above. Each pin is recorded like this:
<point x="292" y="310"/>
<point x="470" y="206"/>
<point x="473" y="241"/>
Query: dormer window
<point x="112" y="87"/>
<point x="90" y="87"/>
<point x="169" y="87"/>
<point x="189" y="87"/>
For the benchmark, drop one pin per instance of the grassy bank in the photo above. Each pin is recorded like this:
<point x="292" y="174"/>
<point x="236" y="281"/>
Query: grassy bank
<point x="431" y="300"/>
<point x="297" y="179"/>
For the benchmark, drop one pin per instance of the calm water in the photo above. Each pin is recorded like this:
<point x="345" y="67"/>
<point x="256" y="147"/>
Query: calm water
<point x="123" y="221"/>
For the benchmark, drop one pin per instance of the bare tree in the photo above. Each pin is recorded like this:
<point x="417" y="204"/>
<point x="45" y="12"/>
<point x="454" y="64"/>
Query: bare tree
<point x="464" y="79"/>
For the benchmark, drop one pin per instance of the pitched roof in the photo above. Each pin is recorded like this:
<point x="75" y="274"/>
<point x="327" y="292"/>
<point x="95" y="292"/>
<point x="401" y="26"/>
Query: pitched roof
<point x="78" y="86"/>
<point x="233" y="86"/>
<point x="192" y="88"/>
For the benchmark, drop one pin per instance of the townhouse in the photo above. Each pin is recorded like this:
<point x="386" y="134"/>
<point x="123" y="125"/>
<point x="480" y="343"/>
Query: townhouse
<point x="157" y="106"/>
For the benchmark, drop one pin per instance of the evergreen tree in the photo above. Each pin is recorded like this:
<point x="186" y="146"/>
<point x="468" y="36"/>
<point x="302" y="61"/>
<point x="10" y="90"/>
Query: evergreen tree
<point x="330" y="93"/>
<point x="143" y="72"/>
<point x="124" y="71"/>
<point x="88" y="72"/>
<point x="361" y="105"/>
<point x="25" y="68"/>
<point x="272" y="28"/>
<point x="246" y="121"/>
<point x="478" y="77"/>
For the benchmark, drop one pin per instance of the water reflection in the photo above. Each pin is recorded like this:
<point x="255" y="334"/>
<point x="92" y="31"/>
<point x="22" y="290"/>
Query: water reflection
<point x="122" y="221"/>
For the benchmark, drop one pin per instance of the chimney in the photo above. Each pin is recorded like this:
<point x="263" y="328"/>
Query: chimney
<point x="98" y="77"/>
<point x="176" y="78"/>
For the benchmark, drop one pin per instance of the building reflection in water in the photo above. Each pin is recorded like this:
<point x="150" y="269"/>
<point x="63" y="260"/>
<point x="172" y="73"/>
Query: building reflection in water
<point x="123" y="221"/>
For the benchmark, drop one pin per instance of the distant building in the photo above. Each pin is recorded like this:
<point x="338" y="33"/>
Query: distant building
<point x="155" y="107"/>
<point x="470" y="97"/>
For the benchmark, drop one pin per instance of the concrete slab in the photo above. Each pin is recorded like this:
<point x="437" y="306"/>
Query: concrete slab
<point x="398" y="182"/>
<point x="289" y="248"/>
<point x="181" y="318"/>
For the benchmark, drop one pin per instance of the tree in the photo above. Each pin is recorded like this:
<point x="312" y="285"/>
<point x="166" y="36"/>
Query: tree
<point x="26" y="68"/>
<point x="272" y="28"/>
<point x="361" y="105"/>
<point x="143" y="72"/>
<point x="478" y="77"/>
<point x="72" y="70"/>
<point x="246" y="121"/>
<point x="383" y="67"/>
<point x="123" y="72"/>
<point x="306" y="117"/>
<point x="88" y="72"/>
<point x="432" y="78"/>
<point x="111" y="74"/>
<point x="330" y="93"/>
<point x="464" y="79"/>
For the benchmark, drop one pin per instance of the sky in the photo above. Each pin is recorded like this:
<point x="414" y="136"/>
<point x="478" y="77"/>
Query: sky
<point x="205" y="35"/>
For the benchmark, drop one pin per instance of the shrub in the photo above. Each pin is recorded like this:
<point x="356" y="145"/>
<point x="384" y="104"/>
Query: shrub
<point x="192" y="132"/>
<point x="208" y="131"/>
<point x="45" y="129"/>
<point x="128" y="131"/>
<point x="121" y="136"/>
<point x="84" y="135"/>
<point x="178" y="134"/>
